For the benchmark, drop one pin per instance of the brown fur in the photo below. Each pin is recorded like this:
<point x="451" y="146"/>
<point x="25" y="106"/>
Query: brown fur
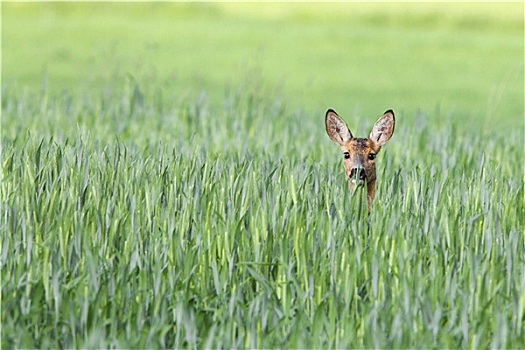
<point x="358" y="150"/>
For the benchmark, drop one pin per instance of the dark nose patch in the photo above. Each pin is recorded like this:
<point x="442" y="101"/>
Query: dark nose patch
<point x="355" y="172"/>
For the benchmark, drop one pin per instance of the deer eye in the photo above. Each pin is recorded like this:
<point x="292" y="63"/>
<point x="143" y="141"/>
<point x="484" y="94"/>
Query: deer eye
<point x="346" y="155"/>
<point x="371" y="156"/>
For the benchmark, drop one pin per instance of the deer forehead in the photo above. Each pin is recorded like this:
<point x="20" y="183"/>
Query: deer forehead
<point x="360" y="146"/>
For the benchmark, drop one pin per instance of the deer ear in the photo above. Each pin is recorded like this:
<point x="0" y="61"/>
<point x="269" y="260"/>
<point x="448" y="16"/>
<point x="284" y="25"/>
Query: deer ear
<point x="383" y="128"/>
<point x="336" y="128"/>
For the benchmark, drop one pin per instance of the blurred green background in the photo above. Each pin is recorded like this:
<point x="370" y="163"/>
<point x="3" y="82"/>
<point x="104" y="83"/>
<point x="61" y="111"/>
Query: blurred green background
<point x="441" y="59"/>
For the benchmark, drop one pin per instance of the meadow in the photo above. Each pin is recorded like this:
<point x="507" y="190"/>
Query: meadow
<point x="167" y="181"/>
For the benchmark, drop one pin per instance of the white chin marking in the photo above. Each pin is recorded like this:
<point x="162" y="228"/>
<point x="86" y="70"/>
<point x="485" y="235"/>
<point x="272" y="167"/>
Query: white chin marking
<point x="357" y="182"/>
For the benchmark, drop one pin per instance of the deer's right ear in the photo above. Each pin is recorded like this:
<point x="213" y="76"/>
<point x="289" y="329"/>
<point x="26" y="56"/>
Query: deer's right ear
<point x="383" y="128"/>
<point x="336" y="128"/>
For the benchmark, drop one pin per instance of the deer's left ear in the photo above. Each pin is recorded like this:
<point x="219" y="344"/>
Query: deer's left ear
<point x="336" y="128"/>
<point x="384" y="128"/>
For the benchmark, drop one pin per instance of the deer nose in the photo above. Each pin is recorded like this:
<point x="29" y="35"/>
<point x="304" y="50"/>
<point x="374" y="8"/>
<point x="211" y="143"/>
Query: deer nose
<point x="358" y="173"/>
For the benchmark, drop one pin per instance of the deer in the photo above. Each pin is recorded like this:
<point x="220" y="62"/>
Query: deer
<point x="359" y="154"/>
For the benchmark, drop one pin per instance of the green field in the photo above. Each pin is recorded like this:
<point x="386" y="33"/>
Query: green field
<point x="167" y="181"/>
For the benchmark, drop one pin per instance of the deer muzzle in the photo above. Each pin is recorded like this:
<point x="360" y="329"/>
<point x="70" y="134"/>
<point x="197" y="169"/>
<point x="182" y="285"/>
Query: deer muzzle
<point x="357" y="176"/>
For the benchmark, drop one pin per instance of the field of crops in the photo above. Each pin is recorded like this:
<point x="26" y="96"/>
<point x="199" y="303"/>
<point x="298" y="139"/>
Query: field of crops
<point x="152" y="199"/>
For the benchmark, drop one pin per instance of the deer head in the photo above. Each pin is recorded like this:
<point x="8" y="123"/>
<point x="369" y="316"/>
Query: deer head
<point x="359" y="154"/>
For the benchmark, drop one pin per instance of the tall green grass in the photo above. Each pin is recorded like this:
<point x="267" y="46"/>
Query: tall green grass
<point x="134" y="224"/>
<point x="150" y="200"/>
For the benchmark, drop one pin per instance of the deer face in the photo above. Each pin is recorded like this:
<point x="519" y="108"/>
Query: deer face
<point x="359" y="161"/>
<point x="359" y="154"/>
